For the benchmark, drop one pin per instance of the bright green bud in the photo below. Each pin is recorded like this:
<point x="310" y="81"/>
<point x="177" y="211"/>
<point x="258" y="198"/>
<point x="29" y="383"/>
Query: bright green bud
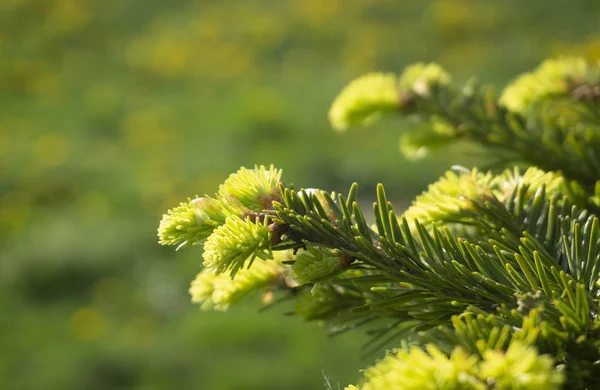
<point x="255" y="188"/>
<point x="235" y="242"/>
<point x="203" y="287"/>
<point x="552" y="78"/>
<point x="416" y="369"/>
<point x="421" y="78"/>
<point x="210" y="211"/>
<point x="316" y="264"/>
<point x="449" y="199"/>
<point x="219" y="291"/>
<point x="445" y="199"/>
<point x="191" y="222"/>
<point x="534" y="178"/>
<point x="520" y="368"/>
<point x="364" y="99"/>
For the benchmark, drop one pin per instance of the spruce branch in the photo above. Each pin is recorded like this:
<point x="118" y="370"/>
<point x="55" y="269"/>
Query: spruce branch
<point x="565" y="140"/>
<point x="488" y="281"/>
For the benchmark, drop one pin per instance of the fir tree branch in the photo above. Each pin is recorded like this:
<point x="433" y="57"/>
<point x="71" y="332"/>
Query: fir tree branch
<point x="490" y="280"/>
<point x="517" y="124"/>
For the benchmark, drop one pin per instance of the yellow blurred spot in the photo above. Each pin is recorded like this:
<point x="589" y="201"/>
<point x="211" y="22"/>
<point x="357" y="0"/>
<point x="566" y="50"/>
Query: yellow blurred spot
<point x="140" y="332"/>
<point x="87" y="324"/>
<point x="68" y="15"/>
<point x="170" y="56"/>
<point x="318" y="12"/>
<point x="51" y="150"/>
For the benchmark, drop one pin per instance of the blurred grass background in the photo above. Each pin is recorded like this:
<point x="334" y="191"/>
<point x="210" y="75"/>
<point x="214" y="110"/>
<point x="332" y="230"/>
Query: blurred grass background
<point x="113" y="111"/>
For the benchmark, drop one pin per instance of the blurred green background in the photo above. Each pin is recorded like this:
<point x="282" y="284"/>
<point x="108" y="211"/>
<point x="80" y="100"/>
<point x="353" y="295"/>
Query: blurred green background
<point x="112" y="111"/>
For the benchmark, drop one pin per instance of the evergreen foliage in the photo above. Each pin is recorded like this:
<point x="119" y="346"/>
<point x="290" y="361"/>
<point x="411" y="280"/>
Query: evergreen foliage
<point x="490" y="280"/>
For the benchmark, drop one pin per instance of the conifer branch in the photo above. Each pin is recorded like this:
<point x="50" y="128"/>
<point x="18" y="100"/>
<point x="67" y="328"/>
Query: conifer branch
<point x="490" y="280"/>
<point x="520" y="123"/>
